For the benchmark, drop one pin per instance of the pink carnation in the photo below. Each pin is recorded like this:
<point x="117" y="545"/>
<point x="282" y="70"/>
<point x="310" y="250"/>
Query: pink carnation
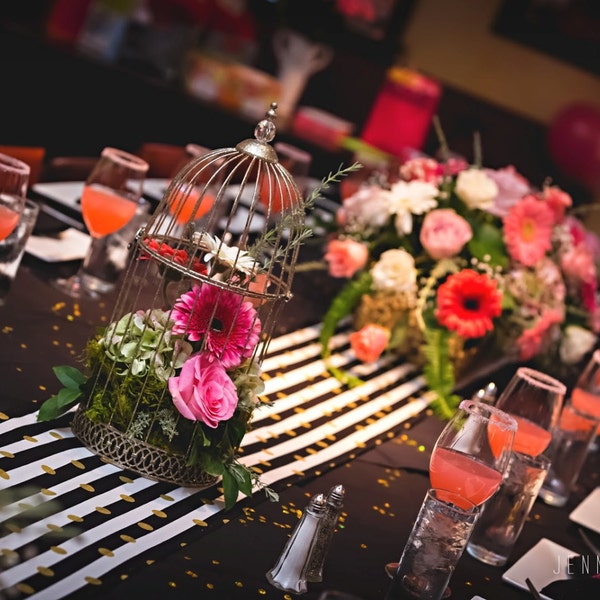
<point x="444" y="233"/>
<point x="346" y="257"/>
<point x="369" y="342"/>
<point x="531" y="341"/>
<point x="578" y="264"/>
<point x="422" y="169"/>
<point x="558" y="201"/>
<point x="203" y="391"/>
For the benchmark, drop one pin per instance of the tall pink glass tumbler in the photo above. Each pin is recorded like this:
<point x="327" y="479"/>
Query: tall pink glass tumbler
<point x="14" y="179"/>
<point x="111" y="200"/>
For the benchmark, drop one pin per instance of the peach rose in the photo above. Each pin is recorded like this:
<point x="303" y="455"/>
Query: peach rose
<point x="346" y="257"/>
<point x="444" y="233"/>
<point x="369" y="342"/>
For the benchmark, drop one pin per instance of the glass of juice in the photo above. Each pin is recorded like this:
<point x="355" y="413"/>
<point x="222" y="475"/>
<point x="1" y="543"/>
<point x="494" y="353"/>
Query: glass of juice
<point x="111" y="198"/>
<point x="14" y="179"/>
<point x="535" y="400"/>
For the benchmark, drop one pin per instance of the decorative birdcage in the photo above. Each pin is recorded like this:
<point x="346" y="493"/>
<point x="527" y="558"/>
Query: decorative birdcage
<point x="175" y="377"/>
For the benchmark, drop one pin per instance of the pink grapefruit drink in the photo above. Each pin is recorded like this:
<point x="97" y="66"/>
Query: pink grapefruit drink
<point x="463" y="474"/>
<point x="530" y="438"/>
<point x="8" y="221"/>
<point x="184" y="206"/>
<point x="586" y="402"/>
<point x="104" y="211"/>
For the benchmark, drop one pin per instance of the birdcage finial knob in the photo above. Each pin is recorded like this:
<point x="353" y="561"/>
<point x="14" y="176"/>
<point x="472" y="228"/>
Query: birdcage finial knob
<point x="265" y="130"/>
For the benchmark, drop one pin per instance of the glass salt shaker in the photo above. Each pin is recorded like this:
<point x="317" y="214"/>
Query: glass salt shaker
<point x="289" y="573"/>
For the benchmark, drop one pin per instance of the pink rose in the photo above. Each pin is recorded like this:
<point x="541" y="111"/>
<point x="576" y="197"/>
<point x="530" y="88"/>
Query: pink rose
<point x="423" y="169"/>
<point x="444" y="233"/>
<point x="203" y="391"/>
<point x="512" y="186"/>
<point x="345" y="257"/>
<point x="369" y="342"/>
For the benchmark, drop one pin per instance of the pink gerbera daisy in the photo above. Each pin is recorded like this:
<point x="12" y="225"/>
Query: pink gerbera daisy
<point x="528" y="230"/>
<point x="228" y="325"/>
<point x="467" y="302"/>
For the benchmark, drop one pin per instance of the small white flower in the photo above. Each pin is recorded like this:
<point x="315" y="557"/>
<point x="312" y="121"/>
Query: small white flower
<point x="233" y="257"/>
<point x="575" y="344"/>
<point x="476" y="189"/>
<point x="408" y="198"/>
<point x="395" y="271"/>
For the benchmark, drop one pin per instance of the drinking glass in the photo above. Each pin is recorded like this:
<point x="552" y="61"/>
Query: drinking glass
<point x="111" y="197"/>
<point x="535" y="400"/>
<point x="503" y="517"/>
<point x="14" y="179"/>
<point x="472" y="452"/>
<point x="434" y="547"/>
<point x="585" y="396"/>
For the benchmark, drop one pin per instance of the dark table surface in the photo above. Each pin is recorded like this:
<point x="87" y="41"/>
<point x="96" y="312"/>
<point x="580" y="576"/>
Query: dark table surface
<point x="228" y="556"/>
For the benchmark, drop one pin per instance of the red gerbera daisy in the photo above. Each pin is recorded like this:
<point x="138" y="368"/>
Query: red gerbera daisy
<point x="528" y="230"/>
<point x="226" y="323"/>
<point x="467" y="302"/>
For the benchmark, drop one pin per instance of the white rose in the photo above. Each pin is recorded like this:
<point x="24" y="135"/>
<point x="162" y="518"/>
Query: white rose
<point x="476" y="189"/>
<point x="576" y="343"/>
<point x="395" y="271"/>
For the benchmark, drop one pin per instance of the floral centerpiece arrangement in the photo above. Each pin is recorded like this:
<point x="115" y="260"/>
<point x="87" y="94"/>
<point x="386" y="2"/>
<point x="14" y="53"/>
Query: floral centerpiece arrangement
<point x="169" y="387"/>
<point x="444" y="260"/>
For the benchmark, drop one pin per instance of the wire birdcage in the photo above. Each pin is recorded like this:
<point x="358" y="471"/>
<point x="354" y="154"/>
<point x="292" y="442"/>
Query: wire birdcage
<point x="206" y="282"/>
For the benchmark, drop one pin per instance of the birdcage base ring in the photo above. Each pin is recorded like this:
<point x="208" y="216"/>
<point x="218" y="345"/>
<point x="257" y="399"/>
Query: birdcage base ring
<point x="116" y="448"/>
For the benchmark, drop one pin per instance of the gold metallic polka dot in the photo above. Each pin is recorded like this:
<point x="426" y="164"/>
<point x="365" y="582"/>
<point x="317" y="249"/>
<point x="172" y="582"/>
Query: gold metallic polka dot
<point x="127" y="538"/>
<point x="58" y="550"/>
<point x="13" y="527"/>
<point x="106" y="552"/>
<point x="29" y="438"/>
<point x="159" y="513"/>
<point x="210" y="586"/>
<point x="200" y="522"/>
<point x="4" y="474"/>
<point x="172" y="584"/>
<point x="127" y="498"/>
<point x="167" y="497"/>
<point x="56" y="435"/>
<point x="93" y="580"/>
<point x="25" y="589"/>
<point x="150" y="561"/>
<point x="75" y="518"/>
<point x="145" y="526"/>
<point x="48" y="470"/>
<point x="207" y="501"/>
<point x="192" y="574"/>
<point x="6" y="454"/>
<point x="125" y="479"/>
<point x="45" y="571"/>
<point x="239" y="584"/>
<point x="87" y="487"/>
<point x="3" y="416"/>
<point x="262" y="591"/>
<point x="124" y="576"/>
<point x="25" y="505"/>
<point x="363" y="546"/>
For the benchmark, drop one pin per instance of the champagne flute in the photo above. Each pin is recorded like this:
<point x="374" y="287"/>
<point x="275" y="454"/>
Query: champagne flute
<point x="111" y="197"/>
<point x="14" y="179"/>
<point x="535" y="400"/>
<point x="472" y="452"/>
<point x="585" y="396"/>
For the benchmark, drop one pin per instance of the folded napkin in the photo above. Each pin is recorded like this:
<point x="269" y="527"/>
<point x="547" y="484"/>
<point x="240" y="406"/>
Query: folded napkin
<point x="69" y="244"/>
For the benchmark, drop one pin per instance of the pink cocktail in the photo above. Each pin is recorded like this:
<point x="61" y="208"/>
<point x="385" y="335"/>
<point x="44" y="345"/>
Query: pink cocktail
<point x="105" y="211"/>
<point x="8" y="221"/>
<point x="463" y="474"/>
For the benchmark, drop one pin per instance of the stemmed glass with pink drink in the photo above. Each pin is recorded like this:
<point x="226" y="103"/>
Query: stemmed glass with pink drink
<point x="14" y="179"/>
<point x="472" y="452"/>
<point x="111" y="198"/>
<point x="535" y="400"/>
